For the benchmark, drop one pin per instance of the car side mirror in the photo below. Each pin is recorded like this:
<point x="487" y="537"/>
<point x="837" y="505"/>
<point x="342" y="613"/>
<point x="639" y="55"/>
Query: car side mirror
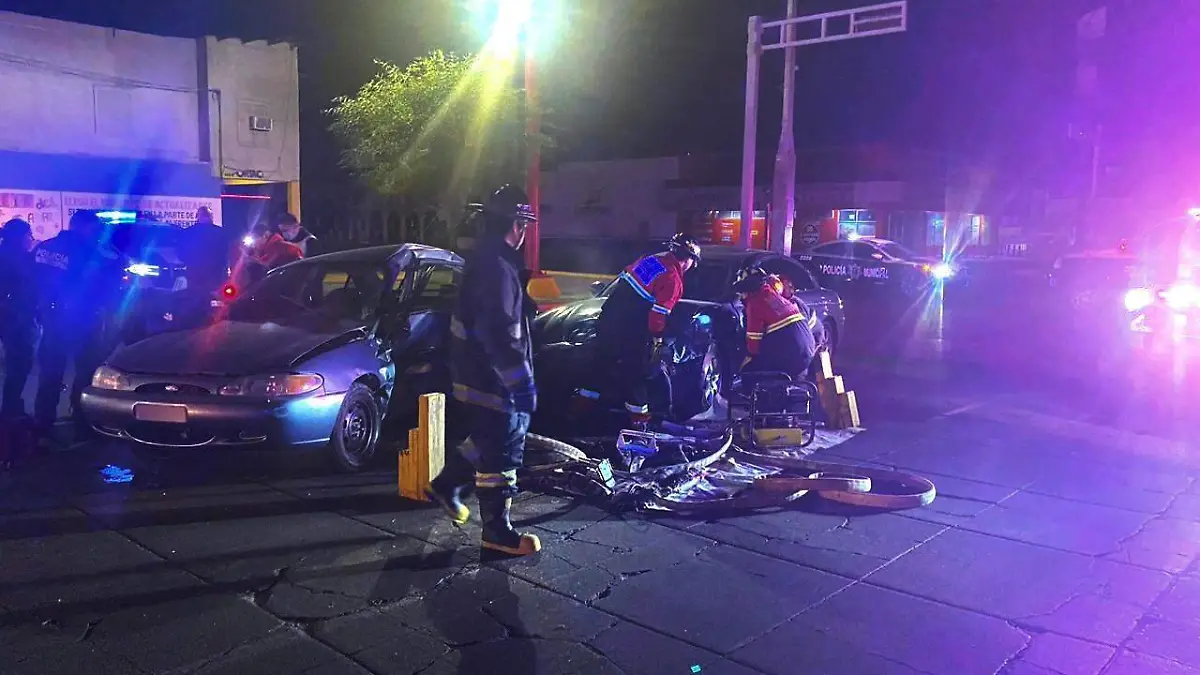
<point x="598" y="287"/>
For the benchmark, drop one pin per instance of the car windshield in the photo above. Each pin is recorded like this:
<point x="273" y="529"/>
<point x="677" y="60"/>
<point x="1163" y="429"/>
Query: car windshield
<point x="317" y="293"/>
<point x="897" y="251"/>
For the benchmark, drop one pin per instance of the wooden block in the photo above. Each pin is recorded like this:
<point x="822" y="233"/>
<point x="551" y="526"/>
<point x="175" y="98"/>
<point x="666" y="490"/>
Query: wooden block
<point x="830" y="389"/>
<point x="426" y="455"/>
<point x="847" y="411"/>
<point x="824" y="367"/>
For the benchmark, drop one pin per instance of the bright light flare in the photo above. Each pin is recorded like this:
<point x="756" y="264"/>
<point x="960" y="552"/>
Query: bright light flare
<point x="1182" y="296"/>
<point x="1194" y="212"/>
<point x="507" y="23"/>
<point x="941" y="271"/>
<point x="1138" y="298"/>
<point x="248" y="241"/>
<point x="143" y="270"/>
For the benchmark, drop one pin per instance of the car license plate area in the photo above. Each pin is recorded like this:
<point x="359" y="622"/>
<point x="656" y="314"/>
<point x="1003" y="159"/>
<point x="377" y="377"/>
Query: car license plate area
<point x="160" y="412"/>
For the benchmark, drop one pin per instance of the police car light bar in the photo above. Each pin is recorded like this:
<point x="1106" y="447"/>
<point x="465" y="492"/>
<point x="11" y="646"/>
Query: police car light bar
<point x="143" y="270"/>
<point x="117" y="216"/>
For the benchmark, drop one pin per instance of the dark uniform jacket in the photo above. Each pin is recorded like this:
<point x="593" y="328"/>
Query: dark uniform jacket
<point x="644" y="296"/>
<point x="491" y="353"/>
<point x="779" y="333"/>
<point x="18" y="292"/>
<point x="75" y="278"/>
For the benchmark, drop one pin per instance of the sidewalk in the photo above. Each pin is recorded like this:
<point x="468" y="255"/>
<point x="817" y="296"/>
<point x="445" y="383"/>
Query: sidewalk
<point x="1045" y="553"/>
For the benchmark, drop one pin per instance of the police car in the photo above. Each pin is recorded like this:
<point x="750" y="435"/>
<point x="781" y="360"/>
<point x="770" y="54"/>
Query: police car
<point x="869" y="264"/>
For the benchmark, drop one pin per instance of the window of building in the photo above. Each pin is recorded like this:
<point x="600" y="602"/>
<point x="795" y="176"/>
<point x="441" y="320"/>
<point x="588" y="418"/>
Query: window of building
<point x="858" y="222"/>
<point x="967" y="229"/>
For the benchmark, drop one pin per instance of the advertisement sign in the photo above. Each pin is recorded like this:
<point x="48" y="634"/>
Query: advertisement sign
<point x="174" y="210"/>
<point x="42" y="210"/>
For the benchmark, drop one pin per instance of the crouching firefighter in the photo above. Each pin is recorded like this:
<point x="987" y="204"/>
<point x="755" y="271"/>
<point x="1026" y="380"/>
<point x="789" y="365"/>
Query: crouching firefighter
<point x="781" y="335"/>
<point x="629" y="331"/>
<point x="491" y="361"/>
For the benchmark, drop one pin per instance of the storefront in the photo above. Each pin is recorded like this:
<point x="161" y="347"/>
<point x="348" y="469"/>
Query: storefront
<point x="46" y="189"/>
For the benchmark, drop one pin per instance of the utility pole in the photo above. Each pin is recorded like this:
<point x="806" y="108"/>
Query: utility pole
<point x="750" y="131"/>
<point x="848" y="24"/>
<point x="783" y="209"/>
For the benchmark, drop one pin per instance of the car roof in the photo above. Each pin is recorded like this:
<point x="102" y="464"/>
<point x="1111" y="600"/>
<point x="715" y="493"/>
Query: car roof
<point x="381" y="254"/>
<point x="726" y="253"/>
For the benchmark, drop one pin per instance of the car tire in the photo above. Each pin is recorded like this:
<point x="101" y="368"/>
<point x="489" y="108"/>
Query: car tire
<point x="831" y="337"/>
<point x="355" y="436"/>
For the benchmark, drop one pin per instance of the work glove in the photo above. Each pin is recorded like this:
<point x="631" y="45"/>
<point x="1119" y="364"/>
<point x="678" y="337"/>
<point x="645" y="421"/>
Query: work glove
<point x="525" y="401"/>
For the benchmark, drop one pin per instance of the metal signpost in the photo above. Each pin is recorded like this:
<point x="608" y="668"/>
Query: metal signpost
<point x="881" y="19"/>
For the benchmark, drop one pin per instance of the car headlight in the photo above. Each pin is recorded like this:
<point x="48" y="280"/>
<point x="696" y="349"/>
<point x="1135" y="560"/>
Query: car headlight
<point x="274" y="386"/>
<point x="143" y="270"/>
<point x="941" y="271"/>
<point x="110" y="379"/>
<point x="1182" y="296"/>
<point x="1138" y="299"/>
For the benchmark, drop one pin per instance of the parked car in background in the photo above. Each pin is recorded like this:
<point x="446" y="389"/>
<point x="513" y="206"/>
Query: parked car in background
<point x="707" y="326"/>
<point x="310" y="357"/>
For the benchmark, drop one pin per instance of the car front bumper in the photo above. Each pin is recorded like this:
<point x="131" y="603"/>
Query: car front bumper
<point x="169" y="421"/>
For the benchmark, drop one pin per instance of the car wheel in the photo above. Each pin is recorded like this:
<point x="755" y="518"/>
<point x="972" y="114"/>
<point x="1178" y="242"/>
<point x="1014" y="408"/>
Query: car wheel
<point x="831" y="336"/>
<point x="355" y="436"/>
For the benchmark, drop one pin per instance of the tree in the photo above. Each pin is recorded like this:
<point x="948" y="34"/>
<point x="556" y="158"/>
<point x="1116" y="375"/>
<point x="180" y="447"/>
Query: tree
<point x="441" y="129"/>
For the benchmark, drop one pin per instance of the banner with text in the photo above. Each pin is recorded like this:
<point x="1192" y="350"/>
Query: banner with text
<point x="174" y="210"/>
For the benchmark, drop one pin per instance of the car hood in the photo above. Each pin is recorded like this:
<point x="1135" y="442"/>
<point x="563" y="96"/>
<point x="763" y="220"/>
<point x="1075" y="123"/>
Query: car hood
<point x="555" y="325"/>
<point x="556" y="321"/>
<point x="224" y="348"/>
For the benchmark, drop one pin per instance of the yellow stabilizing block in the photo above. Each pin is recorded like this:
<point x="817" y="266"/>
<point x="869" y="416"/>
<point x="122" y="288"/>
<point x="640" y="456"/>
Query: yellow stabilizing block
<point x="543" y="287"/>
<point x="847" y="411"/>
<point x="426" y="454"/>
<point x="779" y="438"/>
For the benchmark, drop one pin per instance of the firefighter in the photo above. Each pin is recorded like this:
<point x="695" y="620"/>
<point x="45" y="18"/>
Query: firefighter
<point x="630" y="329"/>
<point x="781" y="334"/>
<point x="79" y="284"/>
<point x="491" y="361"/>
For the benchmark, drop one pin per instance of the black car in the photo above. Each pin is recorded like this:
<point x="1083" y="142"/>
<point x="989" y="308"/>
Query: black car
<point x="311" y="356"/>
<point x="871" y="265"/>
<point x="707" y="326"/>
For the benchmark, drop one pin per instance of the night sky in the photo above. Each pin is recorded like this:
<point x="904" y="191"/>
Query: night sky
<point x="984" y="79"/>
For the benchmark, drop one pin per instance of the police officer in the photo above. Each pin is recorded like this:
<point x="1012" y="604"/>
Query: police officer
<point x="629" y="331"/>
<point x="18" y="303"/>
<point x="491" y="361"/>
<point x="781" y="334"/>
<point x="79" y="283"/>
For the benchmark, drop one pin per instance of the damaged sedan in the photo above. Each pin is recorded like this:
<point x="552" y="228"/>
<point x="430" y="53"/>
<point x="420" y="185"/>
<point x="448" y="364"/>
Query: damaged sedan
<point x="706" y="329"/>
<point x="307" y="358"/>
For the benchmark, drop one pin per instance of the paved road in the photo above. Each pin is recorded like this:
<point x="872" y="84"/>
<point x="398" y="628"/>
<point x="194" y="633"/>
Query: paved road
<point x="1062" y="543"/>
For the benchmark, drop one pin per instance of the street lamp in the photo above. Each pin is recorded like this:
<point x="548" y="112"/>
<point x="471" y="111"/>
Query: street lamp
<point x="511" y="30"/>
<point x="848" y="24"/>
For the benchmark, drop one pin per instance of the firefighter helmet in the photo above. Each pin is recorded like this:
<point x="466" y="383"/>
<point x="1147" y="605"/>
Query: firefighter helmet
<point x="749" y="279"/>
<point x="508" y="203"/>
<point x="684" y="246"/>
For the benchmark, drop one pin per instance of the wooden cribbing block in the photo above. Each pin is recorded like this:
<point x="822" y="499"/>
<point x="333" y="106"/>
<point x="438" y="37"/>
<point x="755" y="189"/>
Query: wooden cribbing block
<point x="824" y="366"/>
<point x="847" y="416"/>
<point x="779" y="438"/>
<point x="426" y="453"/>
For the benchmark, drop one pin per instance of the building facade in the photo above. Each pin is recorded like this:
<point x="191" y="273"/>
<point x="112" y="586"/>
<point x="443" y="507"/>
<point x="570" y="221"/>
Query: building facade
<point x="914" y="199"/>
<point x="105" y="119"/>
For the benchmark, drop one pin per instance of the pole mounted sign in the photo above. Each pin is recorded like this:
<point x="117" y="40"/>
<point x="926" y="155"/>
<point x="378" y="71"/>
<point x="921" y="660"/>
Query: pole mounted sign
<point x="797" y="31"/>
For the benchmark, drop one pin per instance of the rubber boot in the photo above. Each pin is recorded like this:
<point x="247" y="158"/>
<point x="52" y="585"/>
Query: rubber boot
<point x="498" y="532"/>
<point x="450" y="499"/>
